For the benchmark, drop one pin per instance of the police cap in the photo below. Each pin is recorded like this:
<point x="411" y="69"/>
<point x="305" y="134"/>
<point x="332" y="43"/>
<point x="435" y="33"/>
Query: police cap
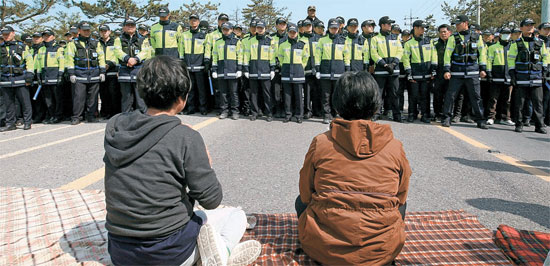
<point x="281" y="20"/>
<point x="307" y="22"/>
<point x="368" y="22"/>
<point x="292" y="27"/>
<point x="333" y="23"/>
<point x="223" y="16"/>
<point x="526" y="22"/>
<point x="84" y="25"/>
<point x="353" y="22"/>
<point x="7" y="29"/>
<point x="104" y="28"/>
<point x="420" y="23"/>
<point x="544" y="25"/>
<point x="459" y="19"/>
<point x="194" y="16"/>
<point x="163" y="11"/>
<point x="48" y="32"/>
<point x="385" y="20"/>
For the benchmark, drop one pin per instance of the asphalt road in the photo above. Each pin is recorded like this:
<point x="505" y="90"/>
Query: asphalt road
<point x="258" y="164"/>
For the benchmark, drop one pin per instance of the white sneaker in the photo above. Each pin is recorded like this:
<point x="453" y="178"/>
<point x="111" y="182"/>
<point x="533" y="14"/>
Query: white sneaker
<point x="490" y="121"/>
<point x="509" y="123"/>
<point x="245" y="253"/>
<point x="212" y="249"/>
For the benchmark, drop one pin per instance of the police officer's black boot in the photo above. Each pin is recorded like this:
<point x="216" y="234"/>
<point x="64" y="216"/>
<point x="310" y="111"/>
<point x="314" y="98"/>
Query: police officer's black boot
<point x="540" y="130"/>
<point x="519" y="127"/>
<point x="8" y="128"/>
<point x="446" y="122"/>
<point x="482" y="124"/>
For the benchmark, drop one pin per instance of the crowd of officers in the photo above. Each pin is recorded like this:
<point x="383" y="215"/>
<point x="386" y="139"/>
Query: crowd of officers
<point x="474" y="76"/>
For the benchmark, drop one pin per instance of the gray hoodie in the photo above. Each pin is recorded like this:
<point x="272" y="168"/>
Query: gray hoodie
<point x="150" y="163"/>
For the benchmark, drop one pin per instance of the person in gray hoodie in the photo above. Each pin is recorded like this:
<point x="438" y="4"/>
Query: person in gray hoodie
<point x="156" y="168"/>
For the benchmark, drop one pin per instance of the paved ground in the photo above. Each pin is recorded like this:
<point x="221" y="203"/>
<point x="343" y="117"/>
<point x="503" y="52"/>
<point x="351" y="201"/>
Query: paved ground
<point x="258" y="164"/>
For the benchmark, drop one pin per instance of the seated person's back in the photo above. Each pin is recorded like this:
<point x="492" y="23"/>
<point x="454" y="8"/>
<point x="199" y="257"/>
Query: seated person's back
<point x="354" y="182"/>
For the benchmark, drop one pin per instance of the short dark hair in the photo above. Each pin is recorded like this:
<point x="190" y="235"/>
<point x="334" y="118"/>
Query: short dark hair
<point x="162" y="80"/>
<point x="356" y="96"/>
<point x="444" y="26"/>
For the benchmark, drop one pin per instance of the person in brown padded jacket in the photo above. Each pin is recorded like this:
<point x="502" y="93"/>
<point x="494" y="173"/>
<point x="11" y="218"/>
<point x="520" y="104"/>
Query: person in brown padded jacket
<point x="354" y="183"/>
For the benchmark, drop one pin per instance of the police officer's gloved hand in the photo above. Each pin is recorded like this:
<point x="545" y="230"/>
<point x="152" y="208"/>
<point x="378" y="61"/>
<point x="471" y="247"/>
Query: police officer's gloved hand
<point x="102" y="77"/>
<point x="389" y="68"/>
<point x="318" y="75"/>
<point x="206" y="65"/>
<point x="29" y="76"/>
<point x="272" y="74"/>
<point x="246" y="75"/>
<point x="73" y="79"/>
<point x="214" y="75"/>
<point x="489" y="76"/>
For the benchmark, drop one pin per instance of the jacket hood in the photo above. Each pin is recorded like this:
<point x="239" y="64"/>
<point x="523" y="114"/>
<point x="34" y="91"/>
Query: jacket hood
<point x="361" y="138"/>
<point x="129" y="135"/>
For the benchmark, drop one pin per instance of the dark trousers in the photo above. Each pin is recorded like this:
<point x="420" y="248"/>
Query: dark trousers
<point x="315" y="95"/>
<point x="277" y="96"/>
<point x="39" y="110"/>
<point x="545" y="103"/>
<point x="327" y="88"/>
<point x="472" y="89"/>
<point x="110" y="96"/>
<point x="130" y="99"/>
<point x="485" y="93"/>
<point x="198" y="93"/>
<point x="300" y="208"/>
<point x="418" y="93"/>
<point x="22" y="94"/>
<point x="296" y="91"/>
<point x="535" y="95"/>
<point x="67" y="92"/>
<point x="440" y="89"/>
<point x="2" y="109"/>
<point x="53" y="96"/>
<point x="244" y="95"/>
<point x="390" y="85"/>
<point x="498" y="104"/>
<point x="229" y="99"/>
<point x="85" y="95"/>
<point x="265" y="86"/>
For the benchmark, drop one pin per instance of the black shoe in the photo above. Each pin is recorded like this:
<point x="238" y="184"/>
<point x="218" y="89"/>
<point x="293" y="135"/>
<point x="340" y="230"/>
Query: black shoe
<point x="446" y="122"/>
<point x="410" y="119"/>
<point x="299" y="120"/>
<point x="75" y="121"/>
<point x="55" y="120"/>
<point x="235" y="116"/>
<point x="252" y="117"/>
<point x="540" y="130"/>
<point x="269" y="118"/>
<point x="47" y="121"/>
<point x="27" y="127"/>
<point x="326" y="120"/>
<point x="8" y="128"/>
<point x="19" y="122"/>
<point x="467" y="119"/>
<point x="398" y="119"/>
<point x="307" y="116"/>
<point x="223" y="116"/>
<point x="425" y="120"/>
<point x="519" y="128"/>
<point x="91" y="119"/>
<point x="456" y="119"/>
<point x="286" y="120"/>
<point x="204" y="113"/>
<point x="482" y="125"/>
<point x="527" y="123"/>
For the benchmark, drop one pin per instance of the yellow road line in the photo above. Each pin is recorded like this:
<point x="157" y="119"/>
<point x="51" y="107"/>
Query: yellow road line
<point x="99" y="174"/>
<point x="507" y="159"/>
<point x="34" y="134"/>
<point x="8" y="155"/>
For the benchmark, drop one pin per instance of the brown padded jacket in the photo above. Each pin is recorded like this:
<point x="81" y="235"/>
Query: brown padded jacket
<point x="354" y="178"/>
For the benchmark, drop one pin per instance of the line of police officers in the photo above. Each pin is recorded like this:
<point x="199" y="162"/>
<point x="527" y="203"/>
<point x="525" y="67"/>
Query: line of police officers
<point x="290" y="73"/>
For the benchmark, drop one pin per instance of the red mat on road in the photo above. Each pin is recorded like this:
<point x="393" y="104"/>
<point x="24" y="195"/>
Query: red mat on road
<point x="523" y="247"/>
<point x="66" y="227"/>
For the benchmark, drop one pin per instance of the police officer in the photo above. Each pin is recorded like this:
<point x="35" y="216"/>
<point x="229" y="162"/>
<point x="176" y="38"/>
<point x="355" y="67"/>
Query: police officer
<point x="420" y="62"/>
<point x="331" y="61"/>
<point x="17" y="75"/>
<point x="544" y="30"/>
<point x="279" y="37"/>
<point x="441" y="84"/>
<point x="143" y="30"/>
<point x="50" y="65"/>
<point x="39" y="110"/>
<point x="293" y="56"/>
<point x="211" y="38"/>
<point x="245" y="82"/>
<point x="404" y="84"/>
<point x="132" y="50"/>
<point x="386" y="52"/>
<point x="465" y="63"/>
<point x="497" y="74"/>
<point x="85" y="63"/>
<point x="311" y="85"/>
<point x="117" y="33"/>
<point x="259" y="68"/>
<point x="203" y="25"/>
<point x="528" y="60"/>
<point x="354" y="44"/>
<point x="319" y="28"/>
<point x="194" y="42"/>
<point x="488" y="37"/>
<point x="108" y="90"/>
<point x="311" y="15"/>
<point x="367" y="28"/>
<point x="227" y="63"/>
<point x="166" y="35"/>
<point x="73" y="30"/>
